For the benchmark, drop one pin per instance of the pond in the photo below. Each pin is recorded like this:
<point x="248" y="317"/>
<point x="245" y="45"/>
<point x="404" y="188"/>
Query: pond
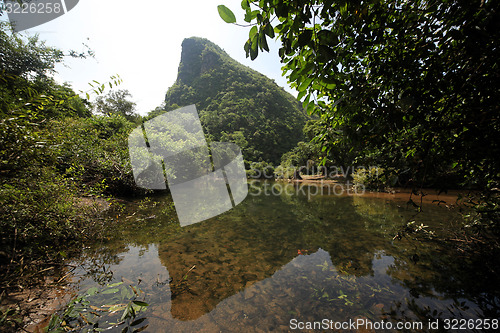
<point x="289" y="257"/>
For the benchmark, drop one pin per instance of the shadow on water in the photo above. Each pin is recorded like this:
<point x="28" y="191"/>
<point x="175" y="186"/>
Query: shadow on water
<point x="284" y="257"/>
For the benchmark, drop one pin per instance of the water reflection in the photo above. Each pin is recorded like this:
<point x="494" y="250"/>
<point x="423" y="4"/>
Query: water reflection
<point x="275" y="258"/>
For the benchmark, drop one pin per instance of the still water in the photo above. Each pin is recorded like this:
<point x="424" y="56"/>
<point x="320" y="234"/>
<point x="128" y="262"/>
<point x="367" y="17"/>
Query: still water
<point x="286" y="258"/>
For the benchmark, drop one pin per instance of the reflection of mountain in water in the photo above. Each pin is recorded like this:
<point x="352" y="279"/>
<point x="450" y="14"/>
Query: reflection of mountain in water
<point x="229" y="255"/>
<point x="264" y="304"/>
<point x="248" y="275"/>
<point x="225" y="262"/>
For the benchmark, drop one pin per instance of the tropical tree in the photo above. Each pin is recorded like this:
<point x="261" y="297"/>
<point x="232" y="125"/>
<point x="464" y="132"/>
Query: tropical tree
<point x="409" y="85"/>
<point x="413" y="83"/>
<point x="52" y="151"/>
<point x="116" y="102"/>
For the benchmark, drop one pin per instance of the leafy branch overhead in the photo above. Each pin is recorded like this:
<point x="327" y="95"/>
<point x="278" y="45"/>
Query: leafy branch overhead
<point x="412" y="84"/>
<point x="257" y="35"/>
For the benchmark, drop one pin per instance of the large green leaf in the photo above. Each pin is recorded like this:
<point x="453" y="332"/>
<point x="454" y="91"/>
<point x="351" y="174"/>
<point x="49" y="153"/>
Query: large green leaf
<point x="226" y="14"/>
<point x="254" y="50"/>
<point x="268" y="29"/>
<point x="262" y="41"/>
<point x="253" y="31"/>
<point x="111" y="291"/>
<point x="245" y="4"/>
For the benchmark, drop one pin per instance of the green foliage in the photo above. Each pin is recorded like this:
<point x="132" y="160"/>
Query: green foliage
<point x="160" y="110"/>
<point x="102" y="309"/>
<point x="98" y="88"/>
<point x="47" y="171"/>
<point x="305" y="156"/>
<point x="37" y="207"/>
<point x="285" y="172"/>
<point x="236" y="103"/>
<point x="26" y="59"/>
<point x="237" y="137"/>
<point x="409" y="85"/>
<point x="25" y="82"/>
<point x="260" y="170"/>
<point x="374" y="178"/>
<point x="116" y="103"/>
<point x="226" y="14"/>
<point x="300" y="155"/>
<point x="10" y="318"/>
<point x="52" y="153"/>
<point x="484" y="213"/>
<point x="94" y="152"/>
<point x="401" y="77"/>
<point x="178" y="137"/>
<point x="46" y="183"/>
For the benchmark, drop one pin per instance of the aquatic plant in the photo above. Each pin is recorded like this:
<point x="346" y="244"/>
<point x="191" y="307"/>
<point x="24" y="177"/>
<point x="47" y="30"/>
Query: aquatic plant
<point x="85" y="314"/>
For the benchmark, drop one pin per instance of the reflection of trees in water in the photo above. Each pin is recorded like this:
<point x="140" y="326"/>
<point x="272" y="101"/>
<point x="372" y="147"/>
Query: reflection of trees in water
<point x="439" y="272"/>
<point x="229" y="253"/>
<point x="432" y="268"/>
<point x="380" y="216"/>
<point x="254" y="240"/>
<point x="96" y="262"/>
<point x="427" y="311"/>
<point x="148" y="221"/>
<point x="141" y="223"/>
<point x="353" y="228"/>
<point x="343" y="227"/>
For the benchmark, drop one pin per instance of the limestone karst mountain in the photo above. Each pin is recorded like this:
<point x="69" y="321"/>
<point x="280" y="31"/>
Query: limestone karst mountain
<point x="236" y="103"/>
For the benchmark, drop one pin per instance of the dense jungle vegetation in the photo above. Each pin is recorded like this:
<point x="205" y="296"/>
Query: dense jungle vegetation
<point x="236" y="103"/>
<point x="408" y="86"/>
<point x="55" y="153"/>
<point x="59" y="152"/>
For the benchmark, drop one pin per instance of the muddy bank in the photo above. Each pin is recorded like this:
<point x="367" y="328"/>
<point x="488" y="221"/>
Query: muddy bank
<point x="451" y="197"/>
<point x="32" y="308"/>
<point x="31" y="290"/>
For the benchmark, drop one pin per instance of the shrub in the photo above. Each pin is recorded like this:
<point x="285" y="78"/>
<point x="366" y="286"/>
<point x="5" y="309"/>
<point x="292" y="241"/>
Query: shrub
<point x="285" y="172"/>
<point x="37" y="211"/>
<point x="374" y="178"/>
<point x="94" y="152"/>
<point x="261" y="170"/>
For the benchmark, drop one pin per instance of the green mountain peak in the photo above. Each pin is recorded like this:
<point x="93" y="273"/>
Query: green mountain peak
<point x="199" y="55"/>
<point x="236" y="103"/>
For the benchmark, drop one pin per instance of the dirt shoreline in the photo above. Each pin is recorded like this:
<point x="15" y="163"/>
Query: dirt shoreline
<point x="35" y="305"/>
<point x="451" y="197"/>
<point x="34" y="302"/>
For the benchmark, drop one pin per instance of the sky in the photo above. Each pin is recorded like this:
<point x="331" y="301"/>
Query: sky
<point x="141" y="42"/>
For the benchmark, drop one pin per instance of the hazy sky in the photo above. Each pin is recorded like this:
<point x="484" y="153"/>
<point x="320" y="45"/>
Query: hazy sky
<point x="141" y="41"/>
